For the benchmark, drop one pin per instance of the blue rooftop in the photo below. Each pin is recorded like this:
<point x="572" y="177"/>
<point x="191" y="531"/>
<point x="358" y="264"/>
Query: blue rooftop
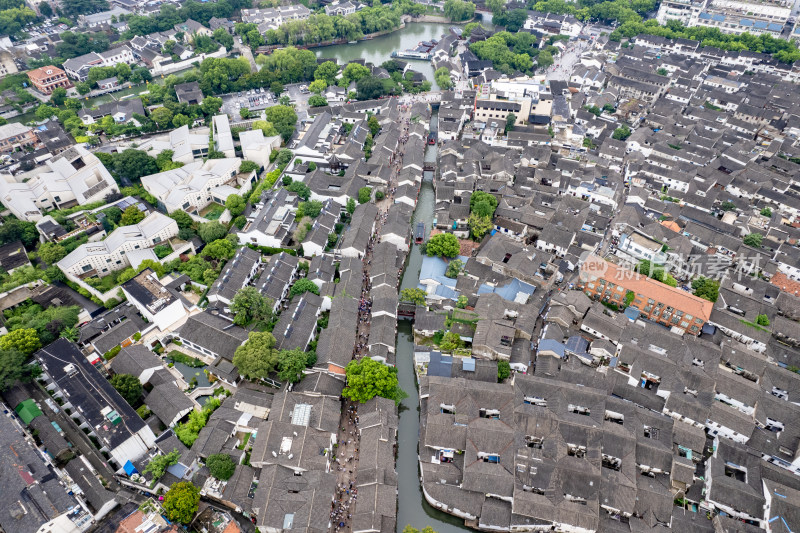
<point x="440" y="365"/>
<point x="577" y="344"/>
<point x="705" y="16"/>
<point x="745" y="22"/>
<point x="508" y="291"/>
<point x="551" y="345"/>
<point x="468" y="364"/>
<point x="718" y="18"/>
<point x="632" y="313"/>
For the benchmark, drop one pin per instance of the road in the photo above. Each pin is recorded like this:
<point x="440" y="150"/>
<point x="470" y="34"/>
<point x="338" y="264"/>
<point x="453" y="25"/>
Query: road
<point x="562" y="68"/>
<point x="77" y="438"/>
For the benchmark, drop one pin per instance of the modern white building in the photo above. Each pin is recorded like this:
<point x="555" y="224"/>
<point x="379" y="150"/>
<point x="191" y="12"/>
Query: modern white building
<point x="256" y="147"/>
<point x="74" y="177"/>
<point x="186" y="145"/>
<point x="100" y="258"/>
<point x="223" y="138"/>
<point x="192" y="187"/>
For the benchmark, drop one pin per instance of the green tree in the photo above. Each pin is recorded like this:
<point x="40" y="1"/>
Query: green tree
<point x="83" y="88"/>
<point x="503" y="371"/>
<point x="249" y="306"/>
<point x="211" y="231"/>
<point x="12" y="367"/>
<point x="132" y="215"/>
<point x="458" y="10"/>
<point x="354" y="72"/>
<point x="132" y="164"/>
<point x="211" y="105"/>
<point x="462" y="301"/>
<point x="159" y="464"/>
<point x="183" y="219"/>
<point x="351" y="206"/>
<point x="367" y="378"/>
<point x="283" y="119"/>
<point x="326" y="71"/>
<point x="364" y="194"/>
<point x="762" y="320"/>
<point x="247" y="166"/>
<point x="621" y="133"/>
<point x="128" y="387"/>
<point x="51" y="253"/>
<point x="482" y="203"/>
<point x="454" y="267"/>
<point x="221" y="466"/>
<point x="544" y="59"/>
<point x="58" y="96"/>
<point x="310" y="209"/>
<point x="181" y="502"/>
<point x="766" y="212"/>
<point x="317" y="86"/>
<point x="235" y="204"/>
<point x="291" y="365"/>
<point x="180" y="120"/>
<point x="317" y="101"/>
<point x="753" y="239"/>
<point x="443" y="245"/>
<point x="162" y="117"/>
<point x="302" y="286"/>
<point x="219" y="249"/>
<point x="511" y="120"/>
<point x="44" y="111"/>
<point x="413" y="295"/>
<point x="706" y="288"/>
<point x="727" y="205"/>
<point x="479" y="225"/>
<point x="442" y="78"/>
<point x="25" y="341"/>
<point x="13" y="229"/>
<point x="374" y="126"/>
<point x="257" y="358"/>
<point x="451" y="341"/>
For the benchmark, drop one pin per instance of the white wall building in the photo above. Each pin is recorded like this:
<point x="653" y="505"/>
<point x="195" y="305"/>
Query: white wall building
<point x="100" y="258"/>
<point x="256" y="147"/>
<point x="75" y="177"/>
<point x="192" y="187"/>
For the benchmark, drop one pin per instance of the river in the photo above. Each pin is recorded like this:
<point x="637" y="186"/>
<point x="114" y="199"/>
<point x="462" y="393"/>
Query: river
<point x="412" y="508"/>
<point x="380" y="49"/>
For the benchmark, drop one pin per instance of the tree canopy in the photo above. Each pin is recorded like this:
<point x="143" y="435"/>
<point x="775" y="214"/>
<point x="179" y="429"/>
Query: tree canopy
<point x="414" y="295"/>
<point x="257" y="358"/>
<point x="249" y="306"/>
<point x="159" y="464"/>
<point x="181" y="502"/>
<point x="443" y="245"/>
<point x="221" y="466"/>
<point x="302" y="286"/>
<point x="367" y="378"/>
<point x="128" y="387"/>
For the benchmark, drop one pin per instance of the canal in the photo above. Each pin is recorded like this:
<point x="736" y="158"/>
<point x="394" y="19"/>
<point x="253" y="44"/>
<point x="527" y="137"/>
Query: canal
<point x="412" y="508"/>
<point x="380" y="49"/>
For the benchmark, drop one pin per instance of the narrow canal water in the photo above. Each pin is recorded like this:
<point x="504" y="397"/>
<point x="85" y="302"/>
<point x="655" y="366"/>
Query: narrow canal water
<point x="412" y="507"/>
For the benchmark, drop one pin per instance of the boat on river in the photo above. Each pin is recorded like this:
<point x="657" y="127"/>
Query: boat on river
<point x="419" y="233"/>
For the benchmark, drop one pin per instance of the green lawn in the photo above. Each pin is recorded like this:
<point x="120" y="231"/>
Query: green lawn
<point x="212" y="211"/>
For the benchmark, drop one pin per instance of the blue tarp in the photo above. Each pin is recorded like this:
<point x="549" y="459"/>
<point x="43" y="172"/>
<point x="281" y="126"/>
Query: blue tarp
<point x="632" y="313"/>
<point x="130" y="469"/>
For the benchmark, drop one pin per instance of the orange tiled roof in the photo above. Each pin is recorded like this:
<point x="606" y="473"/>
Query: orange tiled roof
<point x="595" y="267"/>
<point x="780" y="280"/>
<point x="41" y="72"/>
<point x="671" y="224"/>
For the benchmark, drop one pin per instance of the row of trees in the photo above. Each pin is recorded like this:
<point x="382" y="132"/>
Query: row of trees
<point x="783" y="50"/>
<point x="513" y="51"/>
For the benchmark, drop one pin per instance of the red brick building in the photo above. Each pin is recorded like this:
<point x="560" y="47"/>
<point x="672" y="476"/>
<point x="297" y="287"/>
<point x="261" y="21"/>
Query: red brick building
<point x="655" y="301"/>
<point x="45" y="79"/>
